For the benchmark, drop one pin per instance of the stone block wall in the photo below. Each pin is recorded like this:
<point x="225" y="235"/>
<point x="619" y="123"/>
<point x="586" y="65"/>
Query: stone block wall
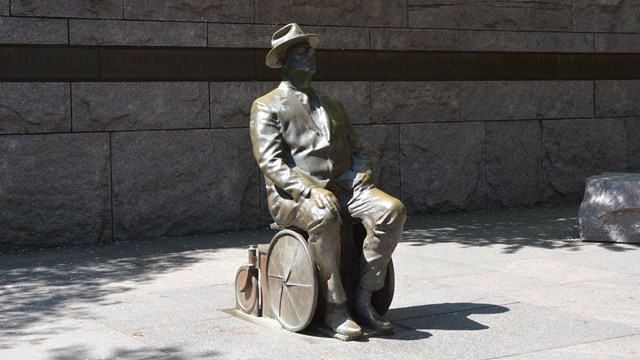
<point x="83" y="160"/>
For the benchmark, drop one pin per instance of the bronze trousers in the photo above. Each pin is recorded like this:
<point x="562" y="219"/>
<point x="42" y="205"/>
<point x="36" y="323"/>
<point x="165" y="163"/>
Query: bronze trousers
<point x="382" y="215"/>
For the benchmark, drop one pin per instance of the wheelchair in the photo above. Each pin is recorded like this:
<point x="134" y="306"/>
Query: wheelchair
<point x="280" y="282"/>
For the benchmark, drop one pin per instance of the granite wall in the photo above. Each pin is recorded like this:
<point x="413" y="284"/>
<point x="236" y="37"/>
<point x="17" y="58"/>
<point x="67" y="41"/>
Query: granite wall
<point x="91" y="161"/>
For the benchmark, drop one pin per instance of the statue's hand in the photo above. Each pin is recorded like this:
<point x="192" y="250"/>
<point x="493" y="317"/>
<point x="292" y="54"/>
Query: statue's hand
<point x="363" y="180"/>
<point x="324" y="198"/>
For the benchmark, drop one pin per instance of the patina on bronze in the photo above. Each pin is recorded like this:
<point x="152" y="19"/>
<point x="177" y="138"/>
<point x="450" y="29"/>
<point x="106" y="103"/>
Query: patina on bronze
<point x="318" y="177"/>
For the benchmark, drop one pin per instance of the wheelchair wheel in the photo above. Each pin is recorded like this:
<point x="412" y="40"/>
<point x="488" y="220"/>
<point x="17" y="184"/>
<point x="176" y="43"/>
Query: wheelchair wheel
<point x="246" y="289"/>
<point x="291" y="282"/>
<point x="381" y="299"/>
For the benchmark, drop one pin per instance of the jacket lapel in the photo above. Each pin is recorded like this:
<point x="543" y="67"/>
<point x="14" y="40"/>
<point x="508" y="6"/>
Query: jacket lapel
<point x="299" y="111"/>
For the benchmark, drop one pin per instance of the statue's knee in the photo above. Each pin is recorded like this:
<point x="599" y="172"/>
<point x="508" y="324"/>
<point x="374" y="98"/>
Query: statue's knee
<point x="397" y="208"/>
<point x="324" y="217"/>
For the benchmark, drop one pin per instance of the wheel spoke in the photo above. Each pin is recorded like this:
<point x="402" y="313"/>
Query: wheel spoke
<point x="295" y="256"/>
<point x="294" y="284"/>
<point x="299" y="266"/>
<point x="295" y="310"/>
<point x="280" y="302"/>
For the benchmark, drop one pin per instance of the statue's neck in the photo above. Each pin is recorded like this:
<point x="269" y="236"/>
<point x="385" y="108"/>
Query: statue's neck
<point x="301" y="82"/>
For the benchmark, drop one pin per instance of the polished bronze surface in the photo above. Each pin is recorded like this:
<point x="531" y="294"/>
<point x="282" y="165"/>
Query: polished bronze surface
<point x="291" y="281"/>
<point x="247" y="290"/>
<point x="320" y="181"/>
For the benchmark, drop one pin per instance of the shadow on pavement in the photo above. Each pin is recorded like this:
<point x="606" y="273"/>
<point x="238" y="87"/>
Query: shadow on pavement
<point x="447" y="316"/>
<point x="82" y="352"/>
<point x="513" y="229"/>
<point x="42" y="285"/>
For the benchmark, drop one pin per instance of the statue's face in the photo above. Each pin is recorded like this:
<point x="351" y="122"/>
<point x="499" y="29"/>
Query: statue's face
<point x="300" y="57"/>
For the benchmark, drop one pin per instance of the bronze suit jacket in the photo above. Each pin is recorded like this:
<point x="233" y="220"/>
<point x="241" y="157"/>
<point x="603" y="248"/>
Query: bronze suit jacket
<point x="294" y="153"/>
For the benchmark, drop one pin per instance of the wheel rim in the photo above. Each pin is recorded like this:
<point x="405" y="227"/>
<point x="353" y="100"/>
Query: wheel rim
<point x="246" y="299"/>
<point x="381" y="299"/>
<point x="291" y="281"/>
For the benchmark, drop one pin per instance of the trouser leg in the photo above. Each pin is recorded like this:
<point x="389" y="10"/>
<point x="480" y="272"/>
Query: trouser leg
<point x="383" y="216"/>
<point x="323" y="228"/>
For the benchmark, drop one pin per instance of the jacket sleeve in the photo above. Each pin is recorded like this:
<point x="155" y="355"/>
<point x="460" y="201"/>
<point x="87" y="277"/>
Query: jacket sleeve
<point x="269" y="151"/>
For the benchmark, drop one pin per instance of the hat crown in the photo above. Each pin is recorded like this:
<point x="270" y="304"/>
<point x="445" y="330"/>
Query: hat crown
<point x="287" y="32"/>
<point x="283" y="39"/>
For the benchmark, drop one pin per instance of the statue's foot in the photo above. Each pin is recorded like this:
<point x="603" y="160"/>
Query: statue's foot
<point x="337" y="319"/>
<point x="364" y="312"/>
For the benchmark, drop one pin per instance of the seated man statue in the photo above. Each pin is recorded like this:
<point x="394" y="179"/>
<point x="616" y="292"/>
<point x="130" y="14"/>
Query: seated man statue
<point x="318" y="176"/>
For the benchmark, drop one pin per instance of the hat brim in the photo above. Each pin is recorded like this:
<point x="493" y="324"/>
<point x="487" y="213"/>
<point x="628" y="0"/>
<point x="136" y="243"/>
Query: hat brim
<point x="276" y="53"/>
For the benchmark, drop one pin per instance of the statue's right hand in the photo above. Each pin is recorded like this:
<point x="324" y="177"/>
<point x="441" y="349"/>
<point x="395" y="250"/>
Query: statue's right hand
<point x="324" y="198"/>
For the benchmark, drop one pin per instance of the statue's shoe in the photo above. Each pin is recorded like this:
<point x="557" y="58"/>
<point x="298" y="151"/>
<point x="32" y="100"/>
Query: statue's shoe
<point x="337" y="319"/>
<point x="365" y="314"/>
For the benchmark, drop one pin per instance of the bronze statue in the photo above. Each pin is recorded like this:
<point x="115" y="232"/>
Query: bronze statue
<point x="317" y="176"/>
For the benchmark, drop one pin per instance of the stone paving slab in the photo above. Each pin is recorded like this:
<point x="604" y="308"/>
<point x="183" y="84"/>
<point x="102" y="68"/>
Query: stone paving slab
<point x="622" y="348"/>
<point x="514" y="284"/>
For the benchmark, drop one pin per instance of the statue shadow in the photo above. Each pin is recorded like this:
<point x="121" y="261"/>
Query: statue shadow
<point x="413" y="322"/>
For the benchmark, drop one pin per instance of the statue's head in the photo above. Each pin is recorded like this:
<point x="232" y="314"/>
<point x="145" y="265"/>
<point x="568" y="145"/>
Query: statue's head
<point x="293" y="50"/>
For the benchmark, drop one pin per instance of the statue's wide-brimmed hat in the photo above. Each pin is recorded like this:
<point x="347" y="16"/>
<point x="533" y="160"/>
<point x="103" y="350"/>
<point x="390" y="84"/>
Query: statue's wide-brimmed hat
<point x="286" y="37"/>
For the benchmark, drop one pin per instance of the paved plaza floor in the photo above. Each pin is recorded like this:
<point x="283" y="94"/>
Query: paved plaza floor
<point x="513" y="284"/>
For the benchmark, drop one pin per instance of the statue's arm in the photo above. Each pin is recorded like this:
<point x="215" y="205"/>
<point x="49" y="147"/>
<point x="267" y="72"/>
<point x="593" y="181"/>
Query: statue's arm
<point x="268" y="146"/>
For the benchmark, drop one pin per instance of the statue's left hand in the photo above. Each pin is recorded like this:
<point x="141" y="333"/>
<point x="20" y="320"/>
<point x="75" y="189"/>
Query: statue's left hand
<point x="363" y="180"/>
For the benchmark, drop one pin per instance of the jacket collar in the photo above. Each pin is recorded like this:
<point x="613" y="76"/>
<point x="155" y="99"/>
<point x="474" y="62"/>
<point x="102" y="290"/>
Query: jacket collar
<point x="292" y="97"/>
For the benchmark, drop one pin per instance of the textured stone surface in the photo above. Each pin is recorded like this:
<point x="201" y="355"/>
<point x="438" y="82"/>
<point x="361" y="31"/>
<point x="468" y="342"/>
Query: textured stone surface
<point x="259" y="36"/>
<point x="415" y="101"/>
<point x="231" y="101"/>
<point x="379" y="13"/>
<point x="55" y="189"/>
<point x="241" y="35"/>
<point x="491" y="15"/>
<point x="576" y="149"/>
<point x="139" y="106"/>
<point x="4" y="7"/>
<point x="339" y="37"/>
<point x="606" y="16"/>
<point x="100" y="9"/>
<point x="514" y="163"/>
<point x="137" y="33"/>
<point x="382" y="146"/>
<point x="190" y="10"/>
<point x="414" y="39"/>
<point x="494" y="100"/>
<point x="34" y="107"/>
<point x="618" y="98"/>
<point x="33" y="31"/>
<point x="354" y="95"/>
<point x="168" y="183"/>
<point x="525" y="41"/>
<point x="610" y="209"/>
<point x="633" y="143"/>
<point x="624" y="43"/>
<point x="442" y="166"/>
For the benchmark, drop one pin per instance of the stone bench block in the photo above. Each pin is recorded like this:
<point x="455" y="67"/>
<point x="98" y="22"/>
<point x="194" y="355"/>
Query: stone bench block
<point x="610" y="211"/>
